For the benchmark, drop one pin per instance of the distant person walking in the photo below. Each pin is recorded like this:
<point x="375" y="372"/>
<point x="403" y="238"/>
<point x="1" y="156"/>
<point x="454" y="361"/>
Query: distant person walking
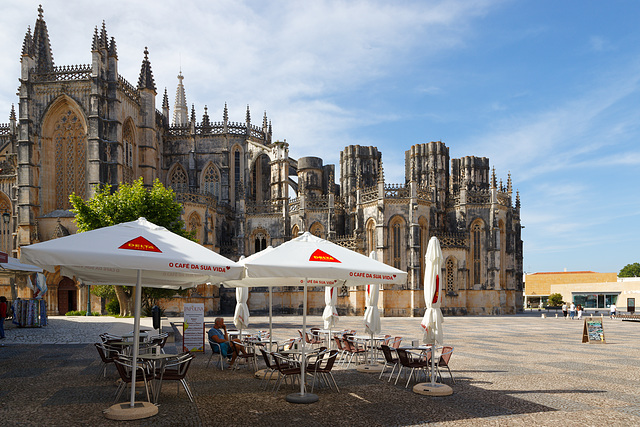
<point x="564" y="310"/>
<point x="3" y="314"/>
<point x="579" y="311"/>
<point x="572" y="311"/>
<point x="612" y="311"/>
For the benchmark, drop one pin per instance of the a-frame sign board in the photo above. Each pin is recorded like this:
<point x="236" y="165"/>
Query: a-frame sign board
<point x="593" y="331"/>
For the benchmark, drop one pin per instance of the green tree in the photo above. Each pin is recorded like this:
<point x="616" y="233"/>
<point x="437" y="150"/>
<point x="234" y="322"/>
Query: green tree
<point x="555" y="300"/>
<point x="630" y="270"/>
<point x="130" y="202"/>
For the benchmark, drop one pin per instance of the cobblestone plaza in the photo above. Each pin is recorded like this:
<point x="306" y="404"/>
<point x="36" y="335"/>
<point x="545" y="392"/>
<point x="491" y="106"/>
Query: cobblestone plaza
<point x="509" y="370"/>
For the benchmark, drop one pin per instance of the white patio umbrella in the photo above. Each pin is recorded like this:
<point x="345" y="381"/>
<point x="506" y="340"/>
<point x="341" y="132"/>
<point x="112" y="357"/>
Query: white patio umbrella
<point x="12" y="267"/>
<point x="241" y="315"/>
<point x="372" y="314"/>
<point x="136" y="253"/>
<point x="330" y="313"/>
<point x="432" y="320"/>
<point x="311" y="261"/>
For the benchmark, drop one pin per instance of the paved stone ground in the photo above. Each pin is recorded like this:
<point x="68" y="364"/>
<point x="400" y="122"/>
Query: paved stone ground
<point x="509" y="370"/>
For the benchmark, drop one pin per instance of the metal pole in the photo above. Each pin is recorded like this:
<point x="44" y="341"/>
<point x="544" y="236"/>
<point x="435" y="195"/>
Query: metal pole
<point x="88" y="300"/>
<point x="136" y="336"/>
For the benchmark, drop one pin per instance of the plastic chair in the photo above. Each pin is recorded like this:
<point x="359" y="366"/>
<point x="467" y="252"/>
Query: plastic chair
<point x="216" y="349"/>
<point x="249" y="356"/>
<point x="447" y="351"/>
<point x="313" y="341"/>
<point x="125" y="368"/>
<point x="408" y="361"/>
<point x="323" y="366"/>
<point x="389" y="359"/>
<point x="286" y="369"/>
<point x="352" y="350"/>
<point x="396" y="342"/>
<point x="271" y="368"/>
<point x="341" y="350"/>
<point x="159" y="341"/>
<point x="176" y="370"/>
<point x="107" y="355"/>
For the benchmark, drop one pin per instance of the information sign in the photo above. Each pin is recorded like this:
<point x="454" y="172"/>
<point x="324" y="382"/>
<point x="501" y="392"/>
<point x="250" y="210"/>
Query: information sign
<point x="193" y="331"/>
<point x="593" y="331"/>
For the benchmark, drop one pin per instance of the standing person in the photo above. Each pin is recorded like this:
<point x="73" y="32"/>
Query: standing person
<point x="228" y="347"/>
<point x="612" y="311"/>
<point x="3" y="314"/>
<point x="579" y="311"/>
<point x="564" y="310"/>
<point x="572" y="311"/>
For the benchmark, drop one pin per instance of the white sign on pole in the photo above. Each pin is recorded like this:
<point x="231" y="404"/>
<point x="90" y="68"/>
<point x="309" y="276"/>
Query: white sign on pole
<point x="193" y="332"/>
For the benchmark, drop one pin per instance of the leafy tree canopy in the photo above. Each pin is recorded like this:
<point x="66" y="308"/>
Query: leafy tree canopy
<point x="630" y="270"/>
<point x="555" y="300"/>
<point x="128" y="203"/>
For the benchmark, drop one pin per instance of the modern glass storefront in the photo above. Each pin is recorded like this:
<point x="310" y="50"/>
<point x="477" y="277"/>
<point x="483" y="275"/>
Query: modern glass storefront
<point x="594" y="300"/>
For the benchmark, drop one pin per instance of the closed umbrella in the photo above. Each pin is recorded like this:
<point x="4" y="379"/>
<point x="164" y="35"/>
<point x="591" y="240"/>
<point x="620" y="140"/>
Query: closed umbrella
<point x="330" y="313"/>
<point x="136" y="253"/>
<point x="372" y="317"/>
<point x="432" y="321"/>
<point x="241" y="315"/>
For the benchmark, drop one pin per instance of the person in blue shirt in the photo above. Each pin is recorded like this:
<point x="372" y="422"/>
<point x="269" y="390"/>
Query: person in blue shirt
<point x="228" y="347"/>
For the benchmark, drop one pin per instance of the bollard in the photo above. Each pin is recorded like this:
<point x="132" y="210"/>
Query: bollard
<point x="556" y="315"/>
<point x="544" y="316"/>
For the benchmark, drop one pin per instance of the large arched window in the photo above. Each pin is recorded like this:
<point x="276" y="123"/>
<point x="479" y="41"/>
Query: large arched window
<point x="261" y="239"/>
<point x="211" y="181"/>
<point x="477" y="229"/>
<point x="236" y="172"/>
<point x="261" y="179"/>
<point x="503" y="255"/>
<point x="371" y="235"/>
<point x="6" y="244"/>
<point x="178" y="180"/>
<point x="128" y="152"/>
<point x="396" y="231"/>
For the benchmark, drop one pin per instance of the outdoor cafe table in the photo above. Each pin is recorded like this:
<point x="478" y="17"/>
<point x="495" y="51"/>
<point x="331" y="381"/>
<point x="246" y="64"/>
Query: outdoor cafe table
<point x="158" y="362"/>
<point x="366" y="339"/>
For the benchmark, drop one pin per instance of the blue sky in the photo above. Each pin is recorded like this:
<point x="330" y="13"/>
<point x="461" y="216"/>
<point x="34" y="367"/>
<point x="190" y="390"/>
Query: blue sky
<point x="548" y="90"/>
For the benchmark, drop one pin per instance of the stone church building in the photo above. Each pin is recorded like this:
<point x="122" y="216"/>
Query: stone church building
<point x="79" y="126"/>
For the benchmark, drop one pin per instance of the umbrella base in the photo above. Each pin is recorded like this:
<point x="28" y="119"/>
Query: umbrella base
<point x="302" y="398"/>
<point x="374" y="367"/>
<point x="436" y="389"/>
<point x="262" y="373"/>
<point x="124" y="411"/>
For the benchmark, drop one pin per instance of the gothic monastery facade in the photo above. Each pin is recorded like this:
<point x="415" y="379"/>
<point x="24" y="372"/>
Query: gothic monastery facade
<point x="80" y="126"/>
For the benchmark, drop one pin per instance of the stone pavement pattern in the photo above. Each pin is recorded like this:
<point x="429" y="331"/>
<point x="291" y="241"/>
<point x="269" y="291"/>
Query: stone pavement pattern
<point x="509" y="370"/>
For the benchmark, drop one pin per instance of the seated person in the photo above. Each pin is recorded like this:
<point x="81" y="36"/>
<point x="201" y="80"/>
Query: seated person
<point x="218" y="334"/>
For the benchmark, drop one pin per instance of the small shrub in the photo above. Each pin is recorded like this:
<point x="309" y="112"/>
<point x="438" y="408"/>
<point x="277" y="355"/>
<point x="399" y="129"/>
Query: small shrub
<point x="113" y="307"/>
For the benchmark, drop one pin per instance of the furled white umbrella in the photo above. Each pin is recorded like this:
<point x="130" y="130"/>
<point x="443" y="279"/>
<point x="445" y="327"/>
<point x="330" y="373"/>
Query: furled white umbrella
<point x="432" y="320"/>
<point x="136" y="253"/>
<point x="311" y="261"/>
<point x="330" y="313"/>
<point x="241" y="315"/>
<point x="372" y="313"/>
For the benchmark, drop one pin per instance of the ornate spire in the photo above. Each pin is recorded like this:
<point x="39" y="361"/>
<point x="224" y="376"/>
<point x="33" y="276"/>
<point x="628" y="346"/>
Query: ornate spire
<point x="509" y="185"/>
<point x="264" y="121"/>
<point x="146" y="76"/>
<point x="112" y="48"/>
<point x="225" y="114"/>
<point x="517" y="200"/>
<point x="96" y="40"/>
<point x="381" y="174"/>
<point x="42" y="47"/>
<point x="27" y="44"/>
<point x="180" y="109"/>
<point x="193" y="114"/>
<point x="205" y="118"/>
<point x="248" y="118"/>
<point x="493" y="178"/>
<point x="104" y="40"/>
<point x="165" y="100"/>
<point x="12" y="114"/>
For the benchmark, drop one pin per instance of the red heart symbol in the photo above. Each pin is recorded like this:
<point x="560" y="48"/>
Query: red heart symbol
<point x="394" y="276"/>
<point x="228" y="267"/>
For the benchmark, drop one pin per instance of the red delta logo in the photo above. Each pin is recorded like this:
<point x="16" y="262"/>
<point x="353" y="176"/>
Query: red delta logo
<point x="140" y="244"/>
<point x="435" y="294"/>
<point x="319" y="255"/>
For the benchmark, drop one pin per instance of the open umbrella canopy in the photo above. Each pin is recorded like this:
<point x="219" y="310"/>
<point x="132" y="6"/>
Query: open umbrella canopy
<point x="10" y="266"/>
<point x="432" y="320"/>
<point x="321" y="262"/>
<point x="113" y="255"/>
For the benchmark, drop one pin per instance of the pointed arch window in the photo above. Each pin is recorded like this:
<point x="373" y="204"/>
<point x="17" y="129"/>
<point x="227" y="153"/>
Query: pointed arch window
<point x="178" y="180"/>
<point x="70" y="143"/>
<point x="397" y="242"/>
<point x="127" y="153"/>
<point x="317" y="230"/>
<point x="451" y="284"/>
<point x="195" y="225"/>
<point x="211" y="181"/>
<point x="423" y="238"/>
<point x="476" y="252"/>
<point x="371" y="236"/>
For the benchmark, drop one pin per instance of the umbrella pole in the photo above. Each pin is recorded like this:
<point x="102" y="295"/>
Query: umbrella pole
<point x="136" y="336"/>
<point x="270" y="318"/>
<point x="303" y="397"/>
<point x="433" y="364"/>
